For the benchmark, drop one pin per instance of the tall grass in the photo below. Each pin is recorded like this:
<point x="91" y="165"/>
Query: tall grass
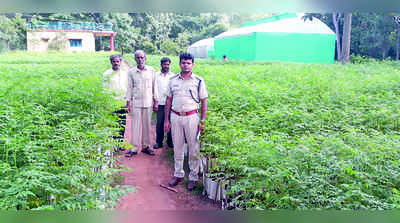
<point x="54" y="117"/>
<point x="287" y="136"/>
<point x="305" y="136"/>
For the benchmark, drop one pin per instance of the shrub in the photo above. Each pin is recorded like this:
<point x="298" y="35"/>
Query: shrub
<point x="169" y="47"/>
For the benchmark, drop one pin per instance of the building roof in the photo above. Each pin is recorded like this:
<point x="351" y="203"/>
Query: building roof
<point x="70" y="25"/>
<point x="204" y="42"/>
<point x="284" y="25"/>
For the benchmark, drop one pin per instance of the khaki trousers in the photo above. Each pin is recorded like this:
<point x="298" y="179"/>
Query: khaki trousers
<point x="181" y="127"/>
<point x="141" y="127"/>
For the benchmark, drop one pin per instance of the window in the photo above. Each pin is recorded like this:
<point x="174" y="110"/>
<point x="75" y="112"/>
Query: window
<point x="75" y="42"/>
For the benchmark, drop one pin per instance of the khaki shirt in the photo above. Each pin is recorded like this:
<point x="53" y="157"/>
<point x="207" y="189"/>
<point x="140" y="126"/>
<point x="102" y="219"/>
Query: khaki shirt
<point x="179" y="89"/>
<point x="116" y="82"/>
<point x="142" y="87"/>
<point x="162" y="83"/>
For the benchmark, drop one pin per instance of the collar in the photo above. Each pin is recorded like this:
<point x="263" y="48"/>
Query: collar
<point x="137" y="69"/>
<point x="190" y="77"/>
<point x="166" y="74"/>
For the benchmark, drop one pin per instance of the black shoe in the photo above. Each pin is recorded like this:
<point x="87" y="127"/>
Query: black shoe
<point x="130" y="154"/>
<point x="191" y="185"/>
<point x="171" y="146"/>
<point x="157" y="146"/>
<point x="121" y="148"/>
<point x="175" y="181"/>
<point x="148" y="151"/>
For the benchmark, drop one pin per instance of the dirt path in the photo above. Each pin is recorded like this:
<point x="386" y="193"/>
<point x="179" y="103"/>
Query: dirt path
<point x="146" y="174"/>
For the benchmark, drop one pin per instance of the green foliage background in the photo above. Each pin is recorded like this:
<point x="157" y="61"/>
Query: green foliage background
<point x="305" y="136"/>
<point x="286" y="135"/>
<point x="373" y="34"/>
<point x="54" y="119"/>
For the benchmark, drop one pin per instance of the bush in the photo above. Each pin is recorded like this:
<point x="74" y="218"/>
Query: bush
<point x="149" y="47"/>
<point x="169" y="47"/>
<point x="358" y="59"/>
<point x="56" y="124"/>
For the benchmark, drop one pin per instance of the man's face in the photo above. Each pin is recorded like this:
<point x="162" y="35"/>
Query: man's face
<point x="186" y="66"/>
<point x="165" y="67"/>
<point x="115" y="63"/>
<point x="140" y="59"/>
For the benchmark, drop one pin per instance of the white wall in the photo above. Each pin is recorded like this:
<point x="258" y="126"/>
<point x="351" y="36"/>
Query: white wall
<point x="39" y="41"/>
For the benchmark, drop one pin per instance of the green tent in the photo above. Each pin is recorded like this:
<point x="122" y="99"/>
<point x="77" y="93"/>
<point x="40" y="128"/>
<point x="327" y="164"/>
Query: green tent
<point x="279" y="38"/>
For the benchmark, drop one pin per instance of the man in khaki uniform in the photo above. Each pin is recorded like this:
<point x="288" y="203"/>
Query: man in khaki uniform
<point x="141" y="96"/>
<point x="115" y="80"/>
<point x="185" y="92"/>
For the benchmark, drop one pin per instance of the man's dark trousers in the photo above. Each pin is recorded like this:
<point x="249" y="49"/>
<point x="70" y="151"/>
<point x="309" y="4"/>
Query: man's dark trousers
<point x="121" y="122"/>
<point x="160" y="127"/>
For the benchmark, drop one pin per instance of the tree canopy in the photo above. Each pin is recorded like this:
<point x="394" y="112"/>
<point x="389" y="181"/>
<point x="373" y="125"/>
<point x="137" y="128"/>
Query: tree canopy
<point x="372" y="34"/>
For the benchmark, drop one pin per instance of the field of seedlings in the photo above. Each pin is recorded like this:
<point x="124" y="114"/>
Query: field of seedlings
<point x="301" y="136"/>
<point x="54" y="119"/>
<point x="285" y="135"/>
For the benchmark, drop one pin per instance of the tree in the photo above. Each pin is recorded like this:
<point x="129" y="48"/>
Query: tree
<point x="12" y="32"/>
<point x="158" y="28"/>
<point x="343" y="39"/>
<point x="335" y="19"/>
<point x="148" y="47"/>
<point x="345" y="57"/>
<point x="374" y="35"/>
<point x="127" y="37"/>
<point x="397" y="35"/>
<point x="183" y="41"/>
<point x="169" y="47"/>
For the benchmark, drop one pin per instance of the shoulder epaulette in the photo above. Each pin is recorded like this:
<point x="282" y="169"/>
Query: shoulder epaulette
<point x="174" y="76"/>
<point x="198" y="89"/>
<point x="197" y="77"/>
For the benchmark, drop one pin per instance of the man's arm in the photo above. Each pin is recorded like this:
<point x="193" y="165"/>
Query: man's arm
<point x="104" y="78"/>
<point x="168" y="104"/>
<point x="155" y="92"/>
<point x="129" y="92"/>
<point x="203" y="114"/>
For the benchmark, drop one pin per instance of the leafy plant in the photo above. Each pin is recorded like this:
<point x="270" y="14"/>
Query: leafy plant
<point x="56" y="125"/>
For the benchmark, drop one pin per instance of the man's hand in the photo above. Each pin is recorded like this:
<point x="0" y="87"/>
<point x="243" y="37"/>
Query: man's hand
<point x="128" y="106"/>
<point x="155" y="106"/>
<point x="201" y="126"/>
<point x="167" y="126"/>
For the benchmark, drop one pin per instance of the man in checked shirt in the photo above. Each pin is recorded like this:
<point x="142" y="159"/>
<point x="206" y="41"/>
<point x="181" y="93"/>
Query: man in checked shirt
<point x="142" y="95"/>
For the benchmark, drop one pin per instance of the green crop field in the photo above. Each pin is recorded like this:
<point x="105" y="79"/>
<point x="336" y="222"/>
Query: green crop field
<point x="286" y="135"/>
<point x="302" y="136"/>
<point x="54" y="117"/>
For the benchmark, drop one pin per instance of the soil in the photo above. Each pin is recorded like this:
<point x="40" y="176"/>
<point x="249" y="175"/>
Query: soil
<point x="147" y="173"/>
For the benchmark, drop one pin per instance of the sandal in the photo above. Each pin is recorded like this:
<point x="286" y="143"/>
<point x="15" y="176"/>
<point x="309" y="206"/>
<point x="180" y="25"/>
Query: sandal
<point x="130" y="154"/>
<point x="148" y="152"/>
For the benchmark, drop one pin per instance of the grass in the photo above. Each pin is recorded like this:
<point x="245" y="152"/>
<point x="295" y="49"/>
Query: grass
<point x="287" y="135"/>
<point x="305" y="136"/>
<point x="54" y="118"/>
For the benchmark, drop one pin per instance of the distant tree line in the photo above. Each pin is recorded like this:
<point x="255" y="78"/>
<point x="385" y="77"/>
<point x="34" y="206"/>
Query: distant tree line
<point x="168" y="33"/>
<point x="373" y="35"/>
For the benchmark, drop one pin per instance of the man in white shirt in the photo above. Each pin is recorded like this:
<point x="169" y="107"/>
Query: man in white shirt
<point x="115" y="79"/>
<point x="142" y="96"/>
<point x="162" y="78"/>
